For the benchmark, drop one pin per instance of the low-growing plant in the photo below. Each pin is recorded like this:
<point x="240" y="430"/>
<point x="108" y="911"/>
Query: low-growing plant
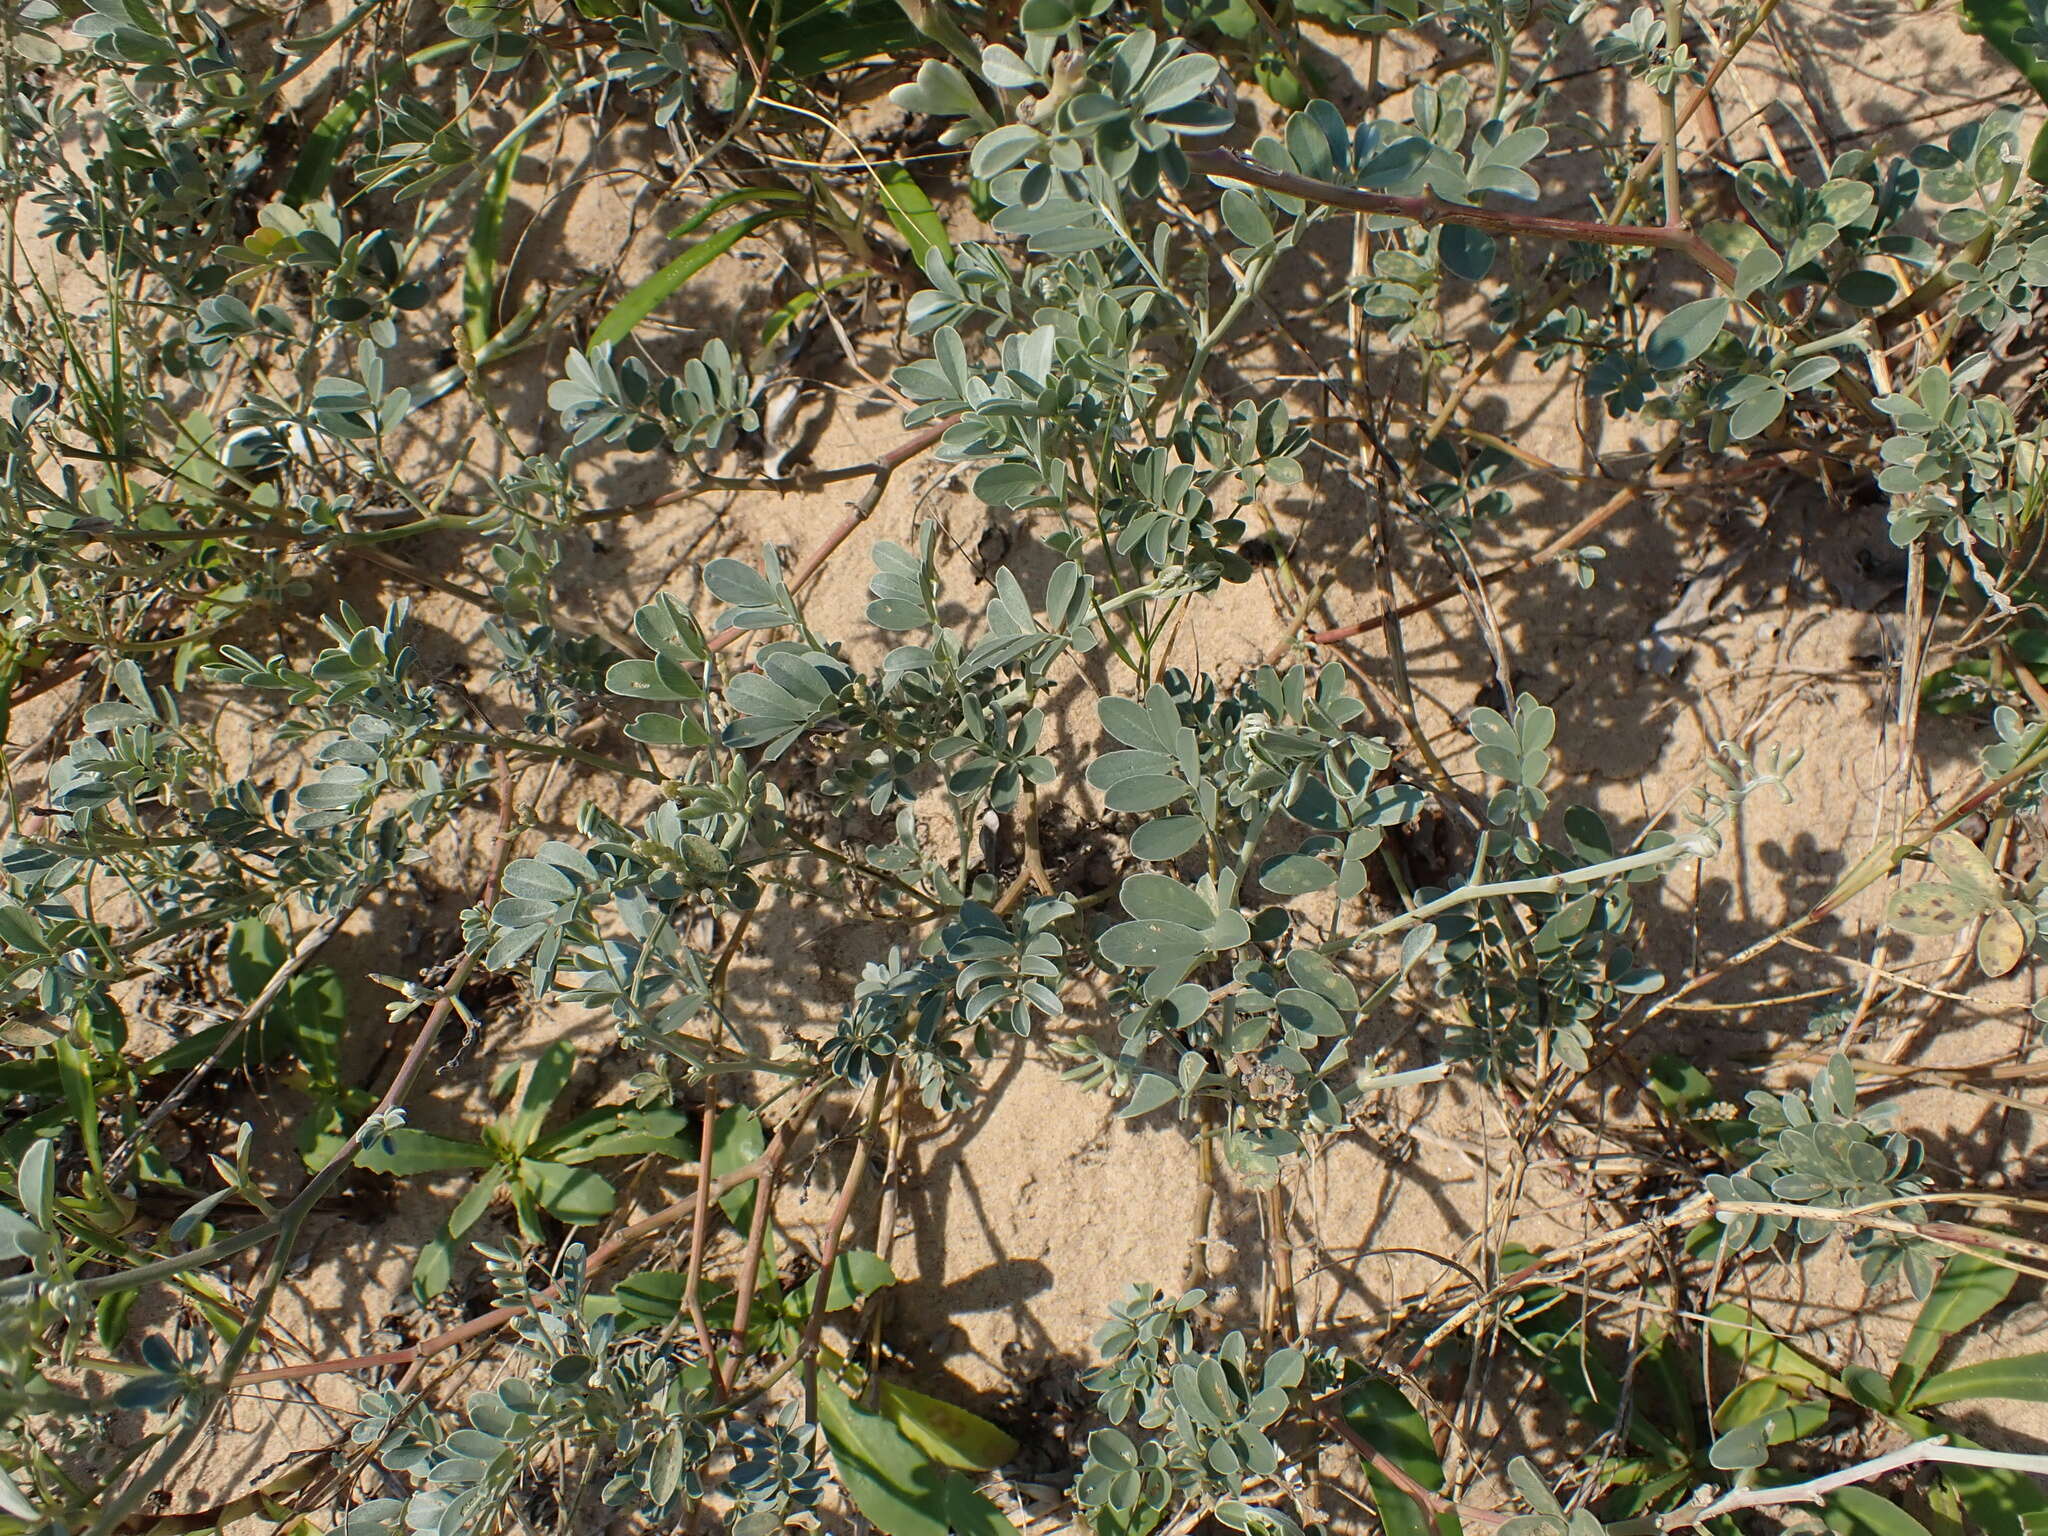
<point x="286" y="398"/>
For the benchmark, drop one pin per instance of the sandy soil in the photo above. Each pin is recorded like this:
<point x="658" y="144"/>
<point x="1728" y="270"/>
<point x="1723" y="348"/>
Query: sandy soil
<point x="1020" y="1221"/>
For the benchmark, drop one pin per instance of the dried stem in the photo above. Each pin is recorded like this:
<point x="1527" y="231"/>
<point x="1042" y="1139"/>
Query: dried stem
<point x="1431" y="1501"/>
<point x="768" y="1162"/>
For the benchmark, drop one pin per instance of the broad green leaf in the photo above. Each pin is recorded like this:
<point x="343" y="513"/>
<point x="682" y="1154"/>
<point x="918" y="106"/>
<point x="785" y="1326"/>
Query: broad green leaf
<point x="545" y="1080"/>
<point x="652" y="1295"/>
<point x="736" y="1140"/>
<point x="409" y="1151"/>
<point x="1970" y="1286"/>
<point x="833" y="36"/>
<point x="313" y="1009"/>
<point x="1859" y="1512"/>
<point x="950" y="1434"/>
<point x="894" y="1482"/>
<point x="855" y="1274"/>
<point x="619" y="1130"/>
<point x="254" y="954"/>
<point x="81" y="1097"/>
<point x="2019" y="1378"/>
<point x="434" y="1268"/>
<point x="1760" y="1352"/>
<point x="469" y="1210"/>
<point x="1998" y="1500"/>
<point x="1385" y="1420"/>
<point x="579" y="1196"/>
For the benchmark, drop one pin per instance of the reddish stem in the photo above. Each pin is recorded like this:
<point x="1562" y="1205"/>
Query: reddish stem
<point x="417" y="1354"/>
<point x="1429" y="211"/>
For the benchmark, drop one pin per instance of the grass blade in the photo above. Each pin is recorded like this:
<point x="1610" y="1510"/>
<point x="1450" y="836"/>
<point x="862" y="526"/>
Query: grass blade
<point x="916" y="220"/>
<point x="725" y="200"/>
<point x="647" y="295"/>
<point x="788" y="314"/>
<point x="480" y="266"/>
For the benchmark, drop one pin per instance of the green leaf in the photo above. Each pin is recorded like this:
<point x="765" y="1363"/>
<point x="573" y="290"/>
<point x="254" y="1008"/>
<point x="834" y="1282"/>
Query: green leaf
<point x="80" y="1096"/>
<point x="408" y="1151"/>
<point x="469" y="1210"/>
<point x="1999" y="23"/>
<point x="545" y="1080"/>
<point x="1760" y="1352"/>
<point x="1970" y="1286"/>
<point x="911" y="211"/>
<point x="894" y="1482"/>
<point x="2001" y="943"/>
<point x="313" y="1010"/>
<point x="35" y="1181"/>
<point x="856" y="1274"/>
<point x="833" y="36"/>
<point x="254" y="954"/>
<point x="1966" y="867"/>
<point x="1149" y="1093"/>
<point x="480" y="265"/>
<point x="578" y="1196"/>
<point x="1998" y="1500"/>
<point x="2017" y="1378"/>
<point x="434" y="1268"/>
<point x="1296" y="874"/>
<point x="619" y="1130"/>
<point x="1386" y="1421"/>
<point x="1859" y="1512"/>
<point x="1167" y="838"/>
<point x="1165" y="899"/>
<point x="1149" y="943"/>
<point x="1685" y="333"/>
<point x="322" y="149"/>
<point x="652" y="1295"/>
<point x="950" y="1434"/>
<point x="651" y="292"/>
<point x="736" y="1140"/>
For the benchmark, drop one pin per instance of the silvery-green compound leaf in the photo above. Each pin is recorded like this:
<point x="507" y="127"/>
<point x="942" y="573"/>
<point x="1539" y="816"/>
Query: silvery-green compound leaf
<point x="1685" y="333"/>
<point x="941" y="90"/>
